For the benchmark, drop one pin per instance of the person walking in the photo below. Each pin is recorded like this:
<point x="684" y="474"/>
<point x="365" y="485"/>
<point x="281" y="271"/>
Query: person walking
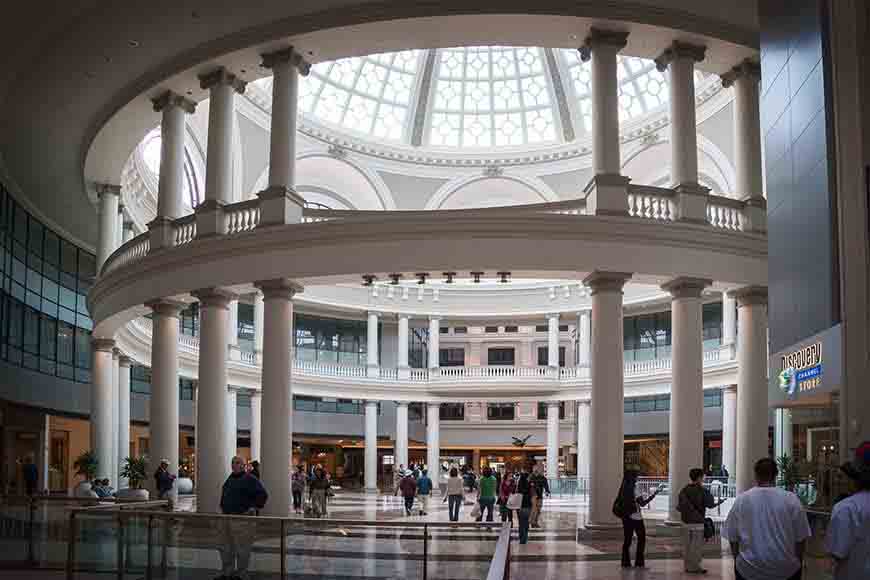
<point x="632" y="502"/>
<point x="507" y="487"/>
<point x="767" y="529"/>
<point x="424" y="491"/>
<point x="165" y="480"/>
<point x="297" y="487"/>
<point x="692" y="503"/>
<point x="398" y="474"/>
<point x="848" y="539"/>
<point x="318" y="488"/>
<point x="526" y="488"/>
<point x="408" y="488"/>
<point x="242" y="495"/>
<point x="255" y="469"/>
<point x="31" y="476"/>
<point x="487" y="490"/>
<point x="539" y="479"/>
<point x="454" y="494"/>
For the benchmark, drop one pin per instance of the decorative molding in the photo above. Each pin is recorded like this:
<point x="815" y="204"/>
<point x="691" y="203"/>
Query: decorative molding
<point x="170" y="99"/>
<point x="103" y="344"/>
<point x="337" y="151"/>
<point x="746" y="69"/>
<point x="686" y="287"/>
<point x="493" y="171"/>
<point x="614" y="39"/>
<point x="749" y="295"/>
<point x="679" y="50"/>
<point x="221" y="76"/>
<point x="289" y="54"/>
<point x="600" y="281"/>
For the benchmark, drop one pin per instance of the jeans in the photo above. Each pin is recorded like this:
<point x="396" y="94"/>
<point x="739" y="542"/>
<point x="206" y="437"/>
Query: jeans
<point x="536" y="510"/>
<point x="318" y="502"/>
<point x="409" y="503"/>
<point x="453" y="503"/>
<point x="523" y="515"/>
<point x="297" y="500"/>
<point x="631" y="527"/>
<point x="486" y="505"/>
<point x="506" y="514"/>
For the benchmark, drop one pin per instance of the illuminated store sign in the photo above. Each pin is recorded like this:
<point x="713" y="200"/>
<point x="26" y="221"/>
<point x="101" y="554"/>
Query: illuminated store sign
<point x="813" y="366"/>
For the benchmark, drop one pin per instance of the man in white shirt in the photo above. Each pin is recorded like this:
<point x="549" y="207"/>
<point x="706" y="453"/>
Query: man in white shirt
<point x="848" y="538"/>
<point x="767" y="528"/>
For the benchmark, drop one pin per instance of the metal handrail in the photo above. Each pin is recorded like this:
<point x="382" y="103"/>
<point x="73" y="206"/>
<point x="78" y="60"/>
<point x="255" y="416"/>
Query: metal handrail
<point x="500" y="567"/>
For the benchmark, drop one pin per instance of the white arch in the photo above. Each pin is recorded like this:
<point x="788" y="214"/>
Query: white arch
<point x="449" y="189"/>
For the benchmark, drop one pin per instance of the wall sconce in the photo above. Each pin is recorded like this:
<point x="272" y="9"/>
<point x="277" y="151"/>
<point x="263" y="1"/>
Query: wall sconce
<point x="395" y="279"/>
<point x="368" y="279"/>
<point x="421" y="277"/>
<point x="448" y="277"/>
<point x="503" y="277"/>
<point x="476" y="276"/>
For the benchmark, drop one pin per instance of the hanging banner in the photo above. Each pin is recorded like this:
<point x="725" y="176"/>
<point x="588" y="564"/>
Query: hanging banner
<point x="811" y="367"/>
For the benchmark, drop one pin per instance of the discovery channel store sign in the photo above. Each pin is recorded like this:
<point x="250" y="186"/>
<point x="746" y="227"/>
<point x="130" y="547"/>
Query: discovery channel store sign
<point x="814" y="366"/>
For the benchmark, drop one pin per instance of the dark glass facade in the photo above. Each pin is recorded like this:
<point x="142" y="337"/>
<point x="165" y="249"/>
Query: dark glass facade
<point x="44" y="320"/>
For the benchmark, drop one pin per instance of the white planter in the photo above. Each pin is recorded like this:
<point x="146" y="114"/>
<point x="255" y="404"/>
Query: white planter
<point x="84" y="489"/>
<point x="184" y="485"/>
<point x="133" y="494"/>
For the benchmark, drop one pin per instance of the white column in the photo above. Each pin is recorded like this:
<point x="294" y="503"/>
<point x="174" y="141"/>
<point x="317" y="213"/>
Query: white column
<point x="608" y="394"/>
<point x="164" y="388"/>
<point x="170" y="188"/>
<point x="583" y="435"/>
<point x="729" y="429"/>
<point x="256" y="429"/>
<point x="402" y="358"/>
<point x="232" y="432"/>
<point x="277" y="393"/>
<point x="124" y="363"/>
<point x="402" y="434"/>
<point x="222" y="86"/>
<point x="729" y="320"/>
<point x="783" y="441"/>
<point x="372" y="363"/>
<point x="119" y="226"/>
<point x="433" y="441"/>
<point x="212" y="454"/>
<point x="101" y="405"/>
<point x="601" y="47"/>
<point x="553" y="439"/>
<point x="371" y="449"/>
<point x="681" y="59"/>
<point x="686" y="429"/>
<point x="553" y="340"/>
<point x="434" y="340"/>
<point x="109" y="199"/>
<point x="233" y="323"/>
<point x="584" y="330"/>
<point x="258" y="325"/>
<point x="115" y="468"/>
<point x="744" y="79"/>
<point x="752" y="410"/>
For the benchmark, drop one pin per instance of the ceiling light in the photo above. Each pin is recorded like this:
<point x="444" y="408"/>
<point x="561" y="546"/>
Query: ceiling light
<point x="435" y="295"/>
<point x="133" y="43"/>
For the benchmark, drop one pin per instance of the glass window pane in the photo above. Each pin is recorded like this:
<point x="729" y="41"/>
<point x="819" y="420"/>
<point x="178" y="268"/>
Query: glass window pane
<point x="48" y="338"/>
<point x="31" y="331"/>
<point x="51" y="252"/>
<point x="83" y="349"/>
<point x="65" y="343"/>
<point x="68" y="255"/>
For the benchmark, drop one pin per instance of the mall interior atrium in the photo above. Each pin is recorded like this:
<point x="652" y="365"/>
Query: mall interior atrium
<point x="354" y="241"/>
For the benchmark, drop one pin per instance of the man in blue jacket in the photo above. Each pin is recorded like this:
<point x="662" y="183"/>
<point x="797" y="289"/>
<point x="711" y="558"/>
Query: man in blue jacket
<point x="242" y="495"/>
<point x="424" y="490"/>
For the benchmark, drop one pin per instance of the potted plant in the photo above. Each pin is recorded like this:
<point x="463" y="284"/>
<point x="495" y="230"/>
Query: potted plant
<point x="134" y="472"/>
<point x="86" y="466"/>
<point x="184" y="483"/>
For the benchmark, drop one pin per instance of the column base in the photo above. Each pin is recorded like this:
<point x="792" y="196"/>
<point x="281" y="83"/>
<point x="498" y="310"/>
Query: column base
<point x="599" y="526"/>
<point x="372" y="491"/>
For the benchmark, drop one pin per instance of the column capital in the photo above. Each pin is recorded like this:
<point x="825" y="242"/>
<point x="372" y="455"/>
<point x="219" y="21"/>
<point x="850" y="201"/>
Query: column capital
<point x="402" y="403"/>
<point x="584" y="402"/>
<point x="103" y="344"/>
<point x="686" y="287"/>
<point x="124" y="360"/>
<point x="374" y="313"/>
<point x="170" y="99"/>
<point x="255" y="393"/>
<point x="600" y="281"/>
<point x="551" y="315"/>
<point x="107" y="189"/>
<point x="279" y="288"/>
<point x="214" y="297"/>
<point x="289" y="54"/>
<point x="435" y="318"/>
<point x="371" y="403"/>
<point x="221" y="76"/>
<point x="680" y="50"/>
<point x="554" y="404"/>
<point x="615" y="39"/>
<point x="236" y="389"/>
<point x="116" y="352"/>
<point x="166" y="307"/>
<point x="729" y="389"/>
<point x="433" y="405"/>
<point x="749" y="295"/>
<point x="747" y="69"/>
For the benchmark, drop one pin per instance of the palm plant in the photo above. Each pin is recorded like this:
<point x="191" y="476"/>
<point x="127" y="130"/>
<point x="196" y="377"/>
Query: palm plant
<point x="134" y="471"/>
<point x="86" y="465"/>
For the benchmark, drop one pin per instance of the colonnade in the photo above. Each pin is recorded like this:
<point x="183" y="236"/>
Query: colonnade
<point x="600" y="420"/>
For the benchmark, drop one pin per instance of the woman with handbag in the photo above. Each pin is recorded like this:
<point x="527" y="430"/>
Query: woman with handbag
<point x="505" y="489"/>
<point x="627" y="506"/>
<point x="454" y="494"/>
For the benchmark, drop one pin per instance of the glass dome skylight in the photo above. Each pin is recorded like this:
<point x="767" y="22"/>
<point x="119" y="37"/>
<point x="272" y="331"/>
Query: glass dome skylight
<point x="471" y="98"/>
